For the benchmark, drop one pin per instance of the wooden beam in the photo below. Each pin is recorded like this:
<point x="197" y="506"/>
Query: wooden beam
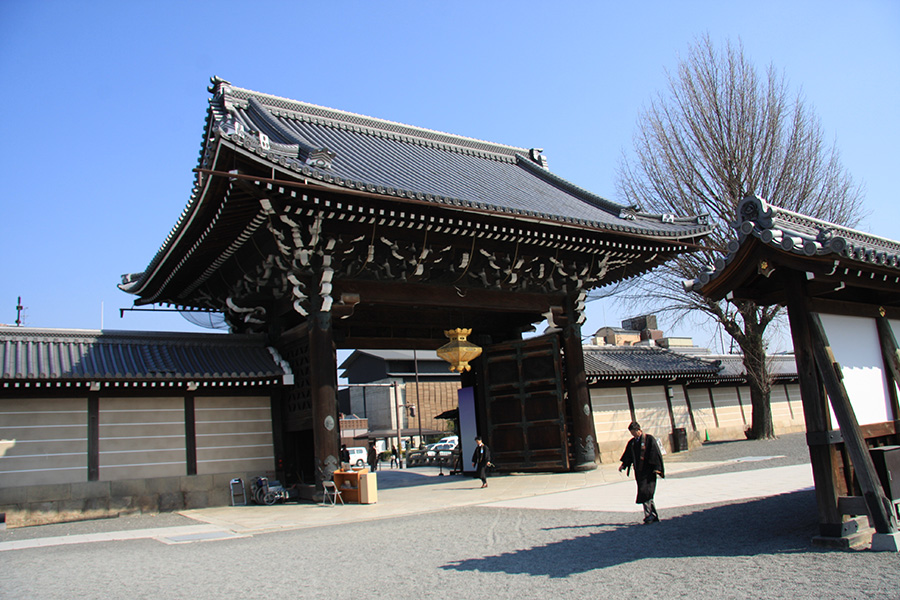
<point x="433" y="296"/>
<point x="880" y="509"/>
<point x="891" y="355"/>
<point x="815" y="412"/>
<point x="851" y="309"/>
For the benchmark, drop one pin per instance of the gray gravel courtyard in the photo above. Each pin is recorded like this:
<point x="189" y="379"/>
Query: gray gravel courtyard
<point x="751" y="549"/>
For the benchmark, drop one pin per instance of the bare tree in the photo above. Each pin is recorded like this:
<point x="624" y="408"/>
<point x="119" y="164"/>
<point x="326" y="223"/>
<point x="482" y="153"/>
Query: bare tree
<point x="722" y="131"/>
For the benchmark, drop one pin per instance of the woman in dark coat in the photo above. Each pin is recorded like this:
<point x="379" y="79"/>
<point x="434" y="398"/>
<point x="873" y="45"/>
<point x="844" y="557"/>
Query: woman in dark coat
<point x="642" y="453"/>
<point x="481" y="460"/>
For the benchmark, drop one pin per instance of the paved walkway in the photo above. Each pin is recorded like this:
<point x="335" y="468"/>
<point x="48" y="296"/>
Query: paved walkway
<point x="422" y="490"/>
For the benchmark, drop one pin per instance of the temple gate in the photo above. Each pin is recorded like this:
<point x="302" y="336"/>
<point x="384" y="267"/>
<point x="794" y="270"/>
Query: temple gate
<point x="325" y="229"/>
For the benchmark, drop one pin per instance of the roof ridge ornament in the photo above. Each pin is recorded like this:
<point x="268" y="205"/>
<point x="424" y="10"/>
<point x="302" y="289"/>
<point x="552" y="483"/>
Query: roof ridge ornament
<point x="754" y="209"/>
<point x="319" y="157"/>
<point x="218" y="86"/>
<point x="536" y="155"/>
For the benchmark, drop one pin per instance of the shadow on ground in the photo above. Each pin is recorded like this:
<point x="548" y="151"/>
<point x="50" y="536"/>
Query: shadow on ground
<point x="401" y="478"/>
<point x="777" y="525"/>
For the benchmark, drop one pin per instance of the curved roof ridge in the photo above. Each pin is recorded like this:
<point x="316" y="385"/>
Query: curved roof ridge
<point x="550" y="177"/>
<point x="799" y="234"/>
<point x="337" y="117"/>
<point x="119" y="335"/>
<point x="764" y="214"/>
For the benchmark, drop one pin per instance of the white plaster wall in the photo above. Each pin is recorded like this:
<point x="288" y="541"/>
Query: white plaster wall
<point x="43" y="441"/>
<point x="855" y="343"/>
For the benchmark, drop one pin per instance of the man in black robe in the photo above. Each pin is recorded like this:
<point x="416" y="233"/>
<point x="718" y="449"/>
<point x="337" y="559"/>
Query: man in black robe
<point x="642" y="453"/>
<point x="372" y="457"/>
<point x="481" y="460"/>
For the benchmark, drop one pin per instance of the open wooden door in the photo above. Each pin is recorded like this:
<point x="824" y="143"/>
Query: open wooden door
<point x="525" y="405"/>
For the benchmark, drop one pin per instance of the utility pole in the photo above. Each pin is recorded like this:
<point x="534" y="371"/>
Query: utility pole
<point x="19" y="309"/>
<point x="399" y="425"/>
<point x="418" y="396"/>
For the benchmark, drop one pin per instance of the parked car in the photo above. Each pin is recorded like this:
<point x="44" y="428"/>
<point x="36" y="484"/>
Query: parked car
<point x="438" y="448"/>
<point x="358" y="456"/>
<point x="450" y="439"/>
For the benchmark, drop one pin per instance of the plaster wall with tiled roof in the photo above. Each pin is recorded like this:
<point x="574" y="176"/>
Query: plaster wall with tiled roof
<point x="779" y="366"/>
<point x="61" y="356"/>
<point x="627" y="362"/>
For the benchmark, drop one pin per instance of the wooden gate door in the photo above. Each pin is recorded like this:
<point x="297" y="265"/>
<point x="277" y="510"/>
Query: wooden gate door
<point x="525" y="405"/>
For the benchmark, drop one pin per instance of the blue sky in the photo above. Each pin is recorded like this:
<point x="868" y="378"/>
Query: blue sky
<point x="104" y="106"/>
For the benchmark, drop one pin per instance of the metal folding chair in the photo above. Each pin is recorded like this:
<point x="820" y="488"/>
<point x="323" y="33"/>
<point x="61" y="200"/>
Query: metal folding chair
<point x="331" y="493"/>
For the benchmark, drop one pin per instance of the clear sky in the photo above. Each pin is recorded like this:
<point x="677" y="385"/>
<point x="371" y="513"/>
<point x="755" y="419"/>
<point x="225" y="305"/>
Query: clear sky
<point x="104" y="106"/>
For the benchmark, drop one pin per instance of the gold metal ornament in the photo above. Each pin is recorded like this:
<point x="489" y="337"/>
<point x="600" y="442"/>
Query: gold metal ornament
<point x="459" y="351"/>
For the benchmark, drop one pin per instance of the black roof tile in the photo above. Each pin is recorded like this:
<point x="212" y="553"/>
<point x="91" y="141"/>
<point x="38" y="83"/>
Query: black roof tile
<point x="626" y="362"/>
<point x="401" y="160"/>
<point x="28" y="354"/>
<point x="791" y="232"/>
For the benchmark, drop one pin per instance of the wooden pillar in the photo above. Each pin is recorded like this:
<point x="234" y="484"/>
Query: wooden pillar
<point x="323" y="389"/>
<point x="881" y="511"/>
<point x="815" y="410"/>
<point x="190" y="433"/>
<point x="93" y="437"/>
<point x="584" y="437"/>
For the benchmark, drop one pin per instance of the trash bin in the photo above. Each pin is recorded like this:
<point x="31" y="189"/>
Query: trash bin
<point x="679" y="439"/>
<point x="887" y="464"/>
<point x="368" y="488"/>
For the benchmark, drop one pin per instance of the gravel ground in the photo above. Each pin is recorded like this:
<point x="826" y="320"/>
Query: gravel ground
<point x="750" y="549"/>
<point x="742" y="455"/>
<point x="757" y="549"/>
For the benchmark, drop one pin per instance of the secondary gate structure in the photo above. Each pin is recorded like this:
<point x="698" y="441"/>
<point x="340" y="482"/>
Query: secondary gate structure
<point x="841" y="288"/>
<point x="324" y="229"/>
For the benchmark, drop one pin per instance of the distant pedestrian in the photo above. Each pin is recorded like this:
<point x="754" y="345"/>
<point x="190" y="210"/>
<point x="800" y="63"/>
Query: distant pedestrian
<point x="643" y="454"/>
<point x="372" y="457"/>
<point x="481" y="460"/>
<point x="395" y="457"/>
<point x="345" y="457"/>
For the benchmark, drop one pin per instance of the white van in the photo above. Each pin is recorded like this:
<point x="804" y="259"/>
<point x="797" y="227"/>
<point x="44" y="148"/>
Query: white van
<point x="450" y="439"/>
<point x="358" y="456"/>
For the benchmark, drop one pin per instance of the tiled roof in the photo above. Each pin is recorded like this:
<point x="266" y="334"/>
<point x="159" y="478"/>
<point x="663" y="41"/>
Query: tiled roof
<point x="628" y="362"/>
<point x="779" y="366"/>
<point x="382" y="157"/>
<point x="305" y="145"/>
<point x="651" y="362"/>
<point x="60" y="356"/>
<point x="798" y="234"/>
<point x="420" y="355"/>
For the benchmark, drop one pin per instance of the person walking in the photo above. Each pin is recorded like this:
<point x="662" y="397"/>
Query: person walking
<point x="643" y="454"/>
<point x="372" y="457"/>
<point x="395" y="458"/>
<point x="481" y="460"/>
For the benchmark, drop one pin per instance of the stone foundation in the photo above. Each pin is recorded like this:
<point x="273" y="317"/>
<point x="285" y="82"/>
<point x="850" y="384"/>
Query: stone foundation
<point x="42" y="504"/>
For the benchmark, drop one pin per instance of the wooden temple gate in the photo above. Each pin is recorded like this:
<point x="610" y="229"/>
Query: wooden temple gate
<point x="326" y="230"/>
<point x="824" y="272"/>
